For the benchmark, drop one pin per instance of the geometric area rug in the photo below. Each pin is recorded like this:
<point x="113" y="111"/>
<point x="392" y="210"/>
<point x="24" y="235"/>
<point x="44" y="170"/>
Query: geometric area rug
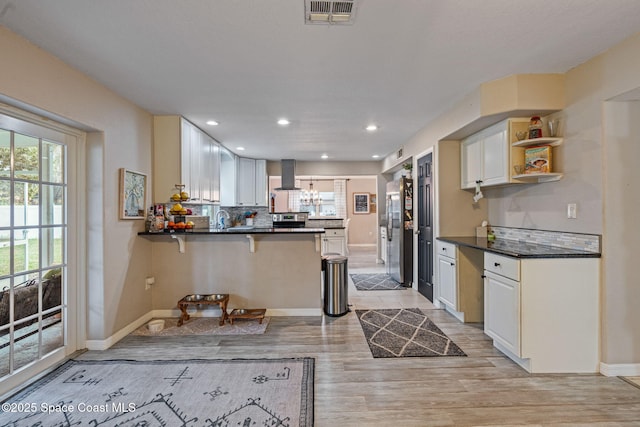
<point x="375" y="282"/>
<point x="256" y="392"/>
<point x="404" y="332"/>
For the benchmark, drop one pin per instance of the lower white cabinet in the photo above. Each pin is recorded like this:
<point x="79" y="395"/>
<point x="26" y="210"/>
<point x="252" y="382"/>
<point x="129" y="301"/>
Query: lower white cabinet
<point x="333" y="241"/>
<point x="544" y="312"/>
<point x="459" y="281"/>
<point x="502" y="311"/>
<point x="447" y="280"/>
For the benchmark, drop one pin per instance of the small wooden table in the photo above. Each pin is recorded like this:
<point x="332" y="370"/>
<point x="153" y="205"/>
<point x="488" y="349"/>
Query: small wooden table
<point x="247" y="313"/>
<point x="203" y="299"/>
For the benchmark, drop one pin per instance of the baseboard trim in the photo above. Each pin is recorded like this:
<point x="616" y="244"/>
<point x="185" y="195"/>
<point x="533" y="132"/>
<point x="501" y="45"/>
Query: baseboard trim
<point x="215" y="312"/>
<point x="620" y="369"/>
<point x="108" y="342"/>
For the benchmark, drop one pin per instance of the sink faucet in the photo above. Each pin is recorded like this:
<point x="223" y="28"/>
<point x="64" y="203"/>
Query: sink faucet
<point x="220" y="221"/>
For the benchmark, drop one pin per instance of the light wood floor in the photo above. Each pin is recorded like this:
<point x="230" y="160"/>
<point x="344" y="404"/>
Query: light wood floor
<point x="353" y="389"/>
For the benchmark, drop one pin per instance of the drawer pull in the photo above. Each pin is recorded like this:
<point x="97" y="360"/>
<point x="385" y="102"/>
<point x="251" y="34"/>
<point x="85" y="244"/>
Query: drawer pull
<point x="444" y="249"/>
<point x="483" y="276"/>
<point x="451" y="263"/>
<point x="496" y="264"/>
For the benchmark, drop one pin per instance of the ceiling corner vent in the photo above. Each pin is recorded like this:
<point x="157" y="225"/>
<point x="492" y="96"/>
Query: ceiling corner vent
<point x="329" y="12"/>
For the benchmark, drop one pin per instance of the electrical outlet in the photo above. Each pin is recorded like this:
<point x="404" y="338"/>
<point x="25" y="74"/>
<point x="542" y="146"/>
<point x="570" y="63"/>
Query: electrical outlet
<point x="148" y="282"/>
<point x="572" y="211"/>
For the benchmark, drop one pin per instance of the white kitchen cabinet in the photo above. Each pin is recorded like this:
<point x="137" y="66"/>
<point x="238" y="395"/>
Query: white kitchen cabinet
<point x="209" y="170"/>
<point x="448" y="292"/>
<point x="485" y="157"/>
<point x="228" y="177"/>
<point x="460" y="281"/>
<point x="333" y="241"/>
<point x="543" y="312"/>
<point x="251" y="182"/>
<point x="502" y="301"/>
<point x="183" y="154"/>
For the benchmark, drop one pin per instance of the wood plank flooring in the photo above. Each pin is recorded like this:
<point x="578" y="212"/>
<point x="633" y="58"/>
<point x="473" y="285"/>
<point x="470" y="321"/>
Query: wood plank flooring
<point x="353" y="389"/>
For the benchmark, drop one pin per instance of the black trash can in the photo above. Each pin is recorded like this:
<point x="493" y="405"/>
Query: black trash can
<point x="336" y="291"/>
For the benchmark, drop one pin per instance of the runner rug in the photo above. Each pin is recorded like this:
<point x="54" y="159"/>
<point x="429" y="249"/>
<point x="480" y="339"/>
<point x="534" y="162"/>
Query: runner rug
<point x="375" y="282"/>
<point x="206" y="326"/>
<point x="260" y="392"/>
<point x="404" y="333"/>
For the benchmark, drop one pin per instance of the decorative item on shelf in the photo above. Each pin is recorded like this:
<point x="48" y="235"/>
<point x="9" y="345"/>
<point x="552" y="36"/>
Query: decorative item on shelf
<point x="518" y="169"/>
<point x="408" y="167"/>
<point x="553" y="124"/>
<point x="535" y="127"/>
<point x="521" y="135"/>
<point x="538" y="159"/>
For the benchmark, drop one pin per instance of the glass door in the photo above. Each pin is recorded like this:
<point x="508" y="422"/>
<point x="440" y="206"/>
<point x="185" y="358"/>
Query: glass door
<point x="34" y="246"/>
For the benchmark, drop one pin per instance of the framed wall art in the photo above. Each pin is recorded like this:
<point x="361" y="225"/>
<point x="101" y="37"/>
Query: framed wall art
<point x="133" y="194"/>
<point x="360" y="203"/>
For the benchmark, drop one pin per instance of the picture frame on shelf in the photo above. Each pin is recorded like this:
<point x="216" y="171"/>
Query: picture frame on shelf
<point x="133" y="194"/>
<point x="361" y="203"/>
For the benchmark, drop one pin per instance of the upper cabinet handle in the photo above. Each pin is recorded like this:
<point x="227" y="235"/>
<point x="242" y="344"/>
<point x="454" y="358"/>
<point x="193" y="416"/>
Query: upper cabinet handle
<point x="496" y="264"/>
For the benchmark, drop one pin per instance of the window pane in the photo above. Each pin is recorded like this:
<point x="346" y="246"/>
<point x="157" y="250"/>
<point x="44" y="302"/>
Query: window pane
<point x="4" y="304"/>
<point x="52" y="166"/>
<point x="25" y="250"/>
<point x="25" y="205"/>
<point x="5" y="206"/>
<point x="52" y="246"/>
<point x="51" y="201"/>
<point x="5" y="153"/>
<point x="26" y="154"/>
<point x="5" y="253"/>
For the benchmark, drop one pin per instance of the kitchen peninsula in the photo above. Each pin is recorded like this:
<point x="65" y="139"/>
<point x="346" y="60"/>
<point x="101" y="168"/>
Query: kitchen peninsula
<point x="273" y="268"/>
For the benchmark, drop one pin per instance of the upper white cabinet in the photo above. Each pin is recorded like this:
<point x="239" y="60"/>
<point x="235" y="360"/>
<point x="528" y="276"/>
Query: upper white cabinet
<point x="183" y="154"/>
<point x="486" y="156"/>
<point x="252" y="182"/>
<point x="227" y="177"/>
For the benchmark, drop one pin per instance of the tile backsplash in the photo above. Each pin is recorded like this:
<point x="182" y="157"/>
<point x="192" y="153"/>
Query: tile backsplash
<point x="579" y="241"/>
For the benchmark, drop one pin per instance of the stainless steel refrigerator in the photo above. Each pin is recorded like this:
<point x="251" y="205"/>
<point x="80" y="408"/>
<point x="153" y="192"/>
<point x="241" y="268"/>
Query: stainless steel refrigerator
<point x="400" y="230"/>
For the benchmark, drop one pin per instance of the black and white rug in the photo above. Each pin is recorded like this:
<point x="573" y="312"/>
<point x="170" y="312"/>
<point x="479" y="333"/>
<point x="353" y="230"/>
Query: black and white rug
<point x="177" y="393"/>
<point x="404" y="332"/>
<point x="375" y="282"/>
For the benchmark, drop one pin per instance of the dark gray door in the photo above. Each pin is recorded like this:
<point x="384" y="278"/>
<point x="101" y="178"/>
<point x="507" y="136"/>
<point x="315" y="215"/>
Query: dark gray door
<point x="425" y="227"/>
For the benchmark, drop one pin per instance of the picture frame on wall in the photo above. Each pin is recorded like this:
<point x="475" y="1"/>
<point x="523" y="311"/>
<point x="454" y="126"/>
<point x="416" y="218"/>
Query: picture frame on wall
<point x="133" y="194"/>
<point x="361" y="204"/>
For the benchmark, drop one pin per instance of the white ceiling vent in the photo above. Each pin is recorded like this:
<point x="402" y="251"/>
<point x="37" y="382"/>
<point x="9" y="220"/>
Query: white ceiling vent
<point x="329" y="12"/>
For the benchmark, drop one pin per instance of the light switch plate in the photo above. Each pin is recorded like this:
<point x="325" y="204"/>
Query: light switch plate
<point x="572" y="211"/>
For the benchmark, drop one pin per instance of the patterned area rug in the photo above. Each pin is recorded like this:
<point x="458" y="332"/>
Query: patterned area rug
<point x="273" y="392"/>
<point x="206" y="326"/>
<point x="375" y="282"/>
<point x="404" y="333"/>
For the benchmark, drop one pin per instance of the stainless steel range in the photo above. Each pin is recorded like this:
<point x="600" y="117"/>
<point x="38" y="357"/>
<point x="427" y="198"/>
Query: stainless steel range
<point x="289" y="219"/>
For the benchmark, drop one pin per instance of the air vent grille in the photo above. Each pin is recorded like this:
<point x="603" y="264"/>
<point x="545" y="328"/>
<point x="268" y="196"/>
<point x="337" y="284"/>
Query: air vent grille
<point x="329" y="12"/>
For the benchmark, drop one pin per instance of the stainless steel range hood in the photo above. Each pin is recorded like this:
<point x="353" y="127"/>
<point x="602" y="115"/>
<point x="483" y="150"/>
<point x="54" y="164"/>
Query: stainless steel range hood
<point x="288" y="175"/>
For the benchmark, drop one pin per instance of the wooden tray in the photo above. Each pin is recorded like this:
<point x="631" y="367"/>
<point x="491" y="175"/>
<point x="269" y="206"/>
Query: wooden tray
<point x="247" y="313"/>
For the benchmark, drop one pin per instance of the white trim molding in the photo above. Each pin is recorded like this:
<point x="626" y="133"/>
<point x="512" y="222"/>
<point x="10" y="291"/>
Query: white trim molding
<point x="620" y="369"/>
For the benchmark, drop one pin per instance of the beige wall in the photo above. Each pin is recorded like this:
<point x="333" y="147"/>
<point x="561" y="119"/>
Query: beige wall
<point x="120" y="136"/>
<point x="362" y="227"/>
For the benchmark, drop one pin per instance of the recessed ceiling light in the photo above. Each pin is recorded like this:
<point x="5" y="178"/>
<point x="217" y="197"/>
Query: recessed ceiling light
<point x="371" y="128"/>
<point x="212" y="123"/>
<point x="283" y="122"/>
<point x="324" y="156"/>
<point x="240" y="148"/>
<point x="375" y="156"/>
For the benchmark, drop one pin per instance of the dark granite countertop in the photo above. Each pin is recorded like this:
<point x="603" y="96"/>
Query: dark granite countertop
<point x="238" y="230"/>
<point x="516" y="249"/>
<point x="327" y="218"/>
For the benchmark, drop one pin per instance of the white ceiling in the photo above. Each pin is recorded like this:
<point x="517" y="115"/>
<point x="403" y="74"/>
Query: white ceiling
<point x="247" y="63"/>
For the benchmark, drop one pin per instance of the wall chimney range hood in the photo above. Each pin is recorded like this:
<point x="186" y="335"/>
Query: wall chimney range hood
<point x="288" y="167"/>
